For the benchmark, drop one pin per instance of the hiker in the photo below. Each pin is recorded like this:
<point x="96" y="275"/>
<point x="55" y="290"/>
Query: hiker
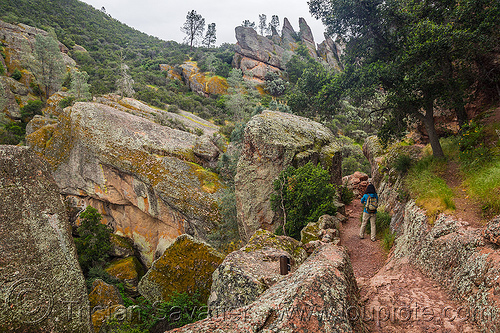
<point x="370" y="201"/>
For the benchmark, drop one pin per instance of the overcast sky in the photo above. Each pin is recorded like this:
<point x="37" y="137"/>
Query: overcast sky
<point x="163" y="19"/>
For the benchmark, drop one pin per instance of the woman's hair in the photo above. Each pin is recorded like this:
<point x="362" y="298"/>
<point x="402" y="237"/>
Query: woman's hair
<point x="370" y="189"/>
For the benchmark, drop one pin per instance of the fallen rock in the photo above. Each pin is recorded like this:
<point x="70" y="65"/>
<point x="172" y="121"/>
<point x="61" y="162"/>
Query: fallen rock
<point x="272" y="142"/>
<point x="245" y="274"/>
<point x="318" y="297"/>
<point x="39" y="271"/>
<point x="186" y="266"/>
<point x="129" y="270"/>
<point x="121" y="246"/>
<point x="104" y="295"/>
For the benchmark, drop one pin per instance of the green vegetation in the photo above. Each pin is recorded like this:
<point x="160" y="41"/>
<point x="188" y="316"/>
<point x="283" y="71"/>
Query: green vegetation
<point x="383" y="227"/>
<point x="301" y="196"/>
<point x="93" y="244"/>
<point x="17" y="75"/>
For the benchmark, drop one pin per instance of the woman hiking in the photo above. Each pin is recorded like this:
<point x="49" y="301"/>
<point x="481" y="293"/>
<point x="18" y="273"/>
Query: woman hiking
<point x="370" y="202"/>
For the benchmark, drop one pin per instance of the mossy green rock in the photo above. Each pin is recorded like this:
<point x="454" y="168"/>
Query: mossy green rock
<point x="104" y="295"/>
<point x="186" y="266"/>
<point x="272" y="142"/>
<point x="310" y="233"/>
<point x="39" y="271"/>
<point x="129" y="270"/>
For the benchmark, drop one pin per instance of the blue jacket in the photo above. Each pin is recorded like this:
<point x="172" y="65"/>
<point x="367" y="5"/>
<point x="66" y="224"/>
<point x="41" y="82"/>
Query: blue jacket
<point x="365" y="197"/>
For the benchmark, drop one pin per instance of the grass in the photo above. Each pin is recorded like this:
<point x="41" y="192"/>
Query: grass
<point x="428" y="189"/>
<point x="484" y="186"/>
<point x="383" y="226"/>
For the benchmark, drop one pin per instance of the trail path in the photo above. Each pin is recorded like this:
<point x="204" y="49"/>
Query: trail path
<point x="395" y="296"/>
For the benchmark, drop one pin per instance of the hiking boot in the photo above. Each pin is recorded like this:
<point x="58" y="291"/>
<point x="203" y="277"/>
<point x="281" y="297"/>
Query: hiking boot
<point x="374" y="240"/>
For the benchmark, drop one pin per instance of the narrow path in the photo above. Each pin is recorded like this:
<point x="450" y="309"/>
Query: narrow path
<point x="395" y="295"/>
<point x="367" y="257"/>
<point x="466" y="208"/>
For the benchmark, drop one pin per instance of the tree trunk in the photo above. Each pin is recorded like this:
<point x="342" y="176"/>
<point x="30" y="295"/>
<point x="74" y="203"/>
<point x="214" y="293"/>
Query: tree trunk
<point x="428" y="120"/>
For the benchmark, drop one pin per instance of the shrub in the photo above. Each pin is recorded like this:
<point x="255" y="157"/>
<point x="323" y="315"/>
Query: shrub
<point x="346" y="194"/>
<point x="17" y="75"/>
<point x="226" y="237"/>
<point x="402" y="163"/>
<point x="31" y="109"/>
<point x="93" y="243"/>
<point x="302" y="195"/>
<point x="65" y="102"/>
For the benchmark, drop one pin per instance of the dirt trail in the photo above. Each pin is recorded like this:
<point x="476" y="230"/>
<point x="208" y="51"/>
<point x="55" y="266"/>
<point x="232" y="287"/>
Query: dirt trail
<point x="396" y="296"/>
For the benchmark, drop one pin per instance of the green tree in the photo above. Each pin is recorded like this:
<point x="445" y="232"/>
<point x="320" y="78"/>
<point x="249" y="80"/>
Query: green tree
<point x="125" y="83"/>
<point x="275" y="23"/>
<point x="263" y="28"/>
<point x="193" y="28"/>
<point x="274" y="84"/>
<point x="242" y="96"/>
<point x="210" y="36"/>
<point x="48" y="67"/>
<point x="302" y="195"/>
<point x="93" y="244"/>
<point x="80" y="89"/>
<point x="417" y="53"/>
<point x="248" y="24"/>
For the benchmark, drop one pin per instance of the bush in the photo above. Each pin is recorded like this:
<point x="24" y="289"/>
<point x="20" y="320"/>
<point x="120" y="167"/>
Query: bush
<point x="65" y="102"/>
<point x="402" y="163"/>
<point x="305" y="194"/>
<point x="226" y="237"/>
<point x="31" y="109"/>
<point x="93" y="244"/>
<point x="346" y="194"/>
<point x="17" y="75"/>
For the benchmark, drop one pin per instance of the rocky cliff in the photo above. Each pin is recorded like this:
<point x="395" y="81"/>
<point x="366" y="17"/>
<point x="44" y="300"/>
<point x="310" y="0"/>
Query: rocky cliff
<point x="256" y="55"/>
<point x="147" y="180"/>
<point x="41" y="282"/>
<point x="18" y="43"/>
<point x="272" y="142"/>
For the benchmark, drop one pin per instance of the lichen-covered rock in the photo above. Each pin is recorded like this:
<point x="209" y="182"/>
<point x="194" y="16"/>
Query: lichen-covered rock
<point x="186" y="266"/>
<point x="104" y="295"/>
<point x="272" y="142"/>
<point x="39" y="272"/>
<point x="121" y="246"/>
<point x="325" y="230"/>
<point x="144" y="178"/>
<point x="245" y="274"/>
<point x="129" y="270"/>
<point x="492" y="231"/>
<point x="200" y="83"/>
<point x="455" y="255"/>
<point x="317" y="297"/>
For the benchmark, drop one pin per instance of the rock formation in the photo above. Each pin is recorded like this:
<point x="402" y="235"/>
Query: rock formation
<point x="40" y="279"/>
<point x="256" y="55"/>
<point x="245" y="274"/>
<point x="186" y="266"/>
<point x="147" y="180"/>
<point x="272" y="142"/>
<point x="318" y="297"/>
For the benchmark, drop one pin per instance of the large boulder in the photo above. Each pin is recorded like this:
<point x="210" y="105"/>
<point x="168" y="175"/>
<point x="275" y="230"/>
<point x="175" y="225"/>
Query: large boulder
<point x="320" y="296"/>
<point x="104" y="295"/>
<point x="245" y="274"/>
<point x="144" y="178"/>
<point x="272" y="142"/>
<point x="201" y="83"/>
<point x="41" y="282"/>
<point x="186" y="266"/>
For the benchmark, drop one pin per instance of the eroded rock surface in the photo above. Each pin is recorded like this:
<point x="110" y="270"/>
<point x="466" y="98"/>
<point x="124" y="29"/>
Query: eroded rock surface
<point x="272" y="142"/>
<point x="144" y="178"/>
<point x="245" y="274"/>
<point x="186" y="266"/>
<point x="39" y="271"/>
<point x="315" y="298"/>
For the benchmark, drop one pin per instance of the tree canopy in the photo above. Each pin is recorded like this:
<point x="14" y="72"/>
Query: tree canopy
<point x="420" y="55"/>
<point x="193" y="27"/>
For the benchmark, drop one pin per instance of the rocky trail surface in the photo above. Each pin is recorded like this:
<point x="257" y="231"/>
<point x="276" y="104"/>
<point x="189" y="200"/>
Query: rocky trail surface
<point x="395" y="295"/>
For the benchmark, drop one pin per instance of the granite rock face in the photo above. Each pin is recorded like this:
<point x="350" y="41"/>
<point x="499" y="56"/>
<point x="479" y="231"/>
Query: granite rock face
<point x="317" y="297"/>
<point x="144" y="178"/>
<point x="272" y="142"/>
<point x="39" y="271"/>
<point x="245" y="274"/>
<point x="186" y="266"/>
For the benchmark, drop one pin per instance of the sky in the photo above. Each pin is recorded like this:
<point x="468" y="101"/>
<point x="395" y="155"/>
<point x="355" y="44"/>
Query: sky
<point x="164" y="19"/>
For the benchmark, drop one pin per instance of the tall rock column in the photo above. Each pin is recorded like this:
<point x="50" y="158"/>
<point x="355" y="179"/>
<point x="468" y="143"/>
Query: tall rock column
<point x="272" y="142"/>
<point x="42" y="288"/>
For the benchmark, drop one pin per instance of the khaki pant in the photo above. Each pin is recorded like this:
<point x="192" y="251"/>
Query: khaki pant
<point x="366" y="217"/>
